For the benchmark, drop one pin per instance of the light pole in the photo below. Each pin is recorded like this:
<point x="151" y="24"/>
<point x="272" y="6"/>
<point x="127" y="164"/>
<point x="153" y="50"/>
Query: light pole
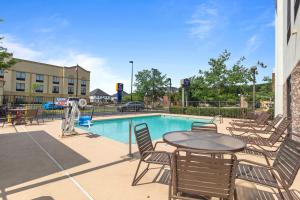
<point x="153" y="85"/>
<point x="253" y="70"/>
<point x="131" y="79"/>
<point x="170" y="91"/>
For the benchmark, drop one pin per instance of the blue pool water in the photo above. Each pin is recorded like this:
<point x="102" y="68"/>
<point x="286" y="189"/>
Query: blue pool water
<point x="118" y="129"/>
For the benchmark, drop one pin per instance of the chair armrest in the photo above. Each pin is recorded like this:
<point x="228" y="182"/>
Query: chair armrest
<point x="255" y="163"/>
<point x="252" y="148"/>
<point x="156" y="152"/>
<point x="158" y="142"/>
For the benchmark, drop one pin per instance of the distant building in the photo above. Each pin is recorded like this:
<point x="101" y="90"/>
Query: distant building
<point x="40" y="80"/>
<point x="97" y="96"/>
<point x="114" y="96"/>
<point x="287" y="61"/>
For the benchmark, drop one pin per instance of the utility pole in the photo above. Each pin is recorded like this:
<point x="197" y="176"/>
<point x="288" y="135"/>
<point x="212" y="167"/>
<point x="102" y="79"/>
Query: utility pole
<point x="253" y="70"/>
<point x="77" y="67"/>
<point x="170" y="92"/>
<point x="131" y="79"/>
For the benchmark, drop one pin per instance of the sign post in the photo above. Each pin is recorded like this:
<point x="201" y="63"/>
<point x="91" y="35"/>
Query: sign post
<point x="185" y="83"/>
<point x="119" y="89"/>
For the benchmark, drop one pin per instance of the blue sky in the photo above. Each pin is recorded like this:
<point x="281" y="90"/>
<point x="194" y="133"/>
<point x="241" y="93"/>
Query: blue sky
<point x="176" y="36"/>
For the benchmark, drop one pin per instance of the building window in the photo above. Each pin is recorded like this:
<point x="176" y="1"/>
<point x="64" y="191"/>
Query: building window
<point x="1" y="73"/>
<point x="55" y="80"/>
<point x="39" y="78"/>
<point x="83" y="83"/>
<point x="40" y="89"/>
<point x="83" y="91"/>
<point x="21" y="76"/>
<point x="288" y="17"/>
<point x="70" y="81"/>
<point x="296" y="7"/>
<point x="38" y="99"/>
<point x="70" y="90"/>
<point x="55" y="89"/>
<point x="20" y="87"/>
<point x="19" y="99"/>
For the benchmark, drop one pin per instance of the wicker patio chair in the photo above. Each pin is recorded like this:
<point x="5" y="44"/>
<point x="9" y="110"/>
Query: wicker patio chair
<point x="199" y="175"/>
<point x="261" y="120"/>
<point x="280" y="175"/>
<point x="274" y="137"/>
<point x="147" y="151"/>
<point x="205" y="127"/>
<point x="256" y="129"/>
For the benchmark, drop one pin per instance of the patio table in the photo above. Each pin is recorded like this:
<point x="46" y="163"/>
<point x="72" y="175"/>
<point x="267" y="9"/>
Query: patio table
<point x="203" y="141"/>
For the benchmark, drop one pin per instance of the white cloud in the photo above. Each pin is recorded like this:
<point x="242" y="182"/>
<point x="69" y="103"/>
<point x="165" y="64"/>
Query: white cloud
<point x="20" y="50"/>
<point x="253" y="43"/>
<point x="203" y="21"/>
<point x="101" y="74"/>
<point x="271" y="24"/>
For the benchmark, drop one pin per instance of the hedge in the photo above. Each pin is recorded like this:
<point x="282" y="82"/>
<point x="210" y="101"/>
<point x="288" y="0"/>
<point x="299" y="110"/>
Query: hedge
<point x="211" y="111"/>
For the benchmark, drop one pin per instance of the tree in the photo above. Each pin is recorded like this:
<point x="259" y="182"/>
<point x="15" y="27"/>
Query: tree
<point x="222" y="82"/>
<point x="151" y="83"/>
<point x="6" y="58"/>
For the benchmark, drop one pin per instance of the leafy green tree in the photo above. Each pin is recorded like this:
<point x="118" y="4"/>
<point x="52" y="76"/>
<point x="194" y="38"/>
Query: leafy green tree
<point x="6" y="58"/>
<point x="222" y="82"/>
<point x="151" y="83"/>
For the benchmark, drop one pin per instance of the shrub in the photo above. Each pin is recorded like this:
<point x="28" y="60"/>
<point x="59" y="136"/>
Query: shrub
<point x="210" y="111"/>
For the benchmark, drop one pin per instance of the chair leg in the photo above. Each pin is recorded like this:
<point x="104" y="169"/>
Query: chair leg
<point x="138" y="177"/>
<point x="288" y="192"/>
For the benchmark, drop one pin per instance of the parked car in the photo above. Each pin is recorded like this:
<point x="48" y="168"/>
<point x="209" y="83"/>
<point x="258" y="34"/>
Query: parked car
<point x="52" y="106"/>
<point x="131" y="106"/>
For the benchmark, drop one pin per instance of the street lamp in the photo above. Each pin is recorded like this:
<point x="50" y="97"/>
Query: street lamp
<point x="253" y="70"/>
<point x="131" y="79"/>
<point x="170" y="91"/>
<point x="153" y="84"/>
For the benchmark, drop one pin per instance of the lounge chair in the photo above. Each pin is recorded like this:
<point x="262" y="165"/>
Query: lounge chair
<point x="280" y="175"/>
<point x="262" y="151"/>
<point x="256" y="129"/>
<point x="261" y="120"/>
<point x="205" y="127"/>
<point x="250" y="117"/>
<point x="147" y="151"/>
<point x="274" y="136"/>
<point x="199" y="175"/>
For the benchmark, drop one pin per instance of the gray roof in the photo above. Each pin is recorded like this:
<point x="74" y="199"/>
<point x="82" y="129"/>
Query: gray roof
<point x="123" y="94"/>
<point x="98" y="92"/>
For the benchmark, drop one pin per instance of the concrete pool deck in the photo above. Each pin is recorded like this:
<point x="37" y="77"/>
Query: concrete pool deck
<point x="36" y="163"/>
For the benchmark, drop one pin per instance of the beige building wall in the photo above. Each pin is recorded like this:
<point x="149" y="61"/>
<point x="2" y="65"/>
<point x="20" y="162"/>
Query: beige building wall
<point x="33" y="69"/>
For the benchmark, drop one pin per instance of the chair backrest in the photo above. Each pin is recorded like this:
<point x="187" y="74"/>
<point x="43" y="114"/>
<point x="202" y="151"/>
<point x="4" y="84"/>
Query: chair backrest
<point x="143" y="139"/>
<point x="263" y="118"/>
<point x="31" y="113"/>
<point x="205" y="127"/>
<point x="198" y="173"/>
<point x="279" y="130"/>
<point x="273" y="123"/>
<point x="287" y="161"/>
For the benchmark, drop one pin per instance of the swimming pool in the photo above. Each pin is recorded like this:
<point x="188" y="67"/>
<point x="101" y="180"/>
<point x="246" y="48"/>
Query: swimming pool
<point x="118" y="129"/>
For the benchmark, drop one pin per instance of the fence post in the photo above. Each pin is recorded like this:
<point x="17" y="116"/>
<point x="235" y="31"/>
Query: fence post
<point x="219" y="108"/>
<point x="130" y="139"/>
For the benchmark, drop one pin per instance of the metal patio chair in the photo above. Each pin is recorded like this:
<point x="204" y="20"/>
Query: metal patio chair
<point x="205" y="127"/>
<point x="274" y="136"/>
<point x="256" y="129"/>
<point x="199" y="175"/>
<point x="31" y="115"/>
<point x="147" y="151"/>
<point x="280" y="175"/>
